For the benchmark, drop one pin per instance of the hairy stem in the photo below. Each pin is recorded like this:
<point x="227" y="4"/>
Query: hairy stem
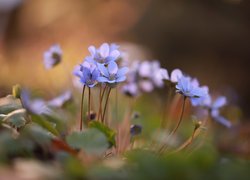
<point x="105" y="106"/>
<point x="89" y="105"/>
<point x="81" y="122"/>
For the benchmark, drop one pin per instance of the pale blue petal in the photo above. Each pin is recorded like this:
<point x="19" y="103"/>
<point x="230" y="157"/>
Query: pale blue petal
<point x="104" y="50"/>
<point x="112" y="67"/>
<point x="219" y="102"/>
<point x="102" y="79"/>
<point x="92" y="50"/>
<point x="223" y="121"/>
<point x="120" y="79"/>
<point x="115" y="54"/>
<point x="113" y="47"/>
<point x="103" y="70"/>
<point x="122" y="71"/>
<point x="176" y="74"/>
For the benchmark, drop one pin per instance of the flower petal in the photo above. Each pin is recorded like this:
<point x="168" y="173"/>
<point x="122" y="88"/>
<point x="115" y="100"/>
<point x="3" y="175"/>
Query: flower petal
<point x="122" y="71"/>
<point x="112" y="67"/>
<point x="219" y="102"/>
<point x="175" y="75"/>
<point x="121" y="78"/>
<point x="102" y="79"/>
<point x="92" y="50"/>
<point x="103" y="70"/>
<point x="104" y="50"/>
<point x="115" y="54"/>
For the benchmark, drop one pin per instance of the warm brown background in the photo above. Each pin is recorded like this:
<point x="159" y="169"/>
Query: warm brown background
<point x="208" y="39"/>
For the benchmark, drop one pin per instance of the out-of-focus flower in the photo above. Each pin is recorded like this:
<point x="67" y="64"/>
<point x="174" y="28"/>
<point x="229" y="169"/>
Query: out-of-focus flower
<point x="220" y="119"/>
<point x="59" y="101"/>
<point x="130" y="89"/>
<point x="153" y="72"/>
<point x="135" y="129"/>
<point x="214" y="108"/>
<point x="112" y="74"/>
<point x="175" y="75"/>
<point x="190" y="88"/>
<point x="88" y="74"/>
<point x="36" y="106"/>
<point x="144" y="77"/>
<point x="146" y="85"/>
<point x="104" y="54"/>
<point x="52" y="57"/>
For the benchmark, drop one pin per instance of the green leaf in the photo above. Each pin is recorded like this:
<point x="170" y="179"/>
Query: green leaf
<point x="9" y="104"/>
<point x="45" y="124"/>
<point x="109" y="133"/>
<point x="92" y="141"/>
<point x="15" y="118"/>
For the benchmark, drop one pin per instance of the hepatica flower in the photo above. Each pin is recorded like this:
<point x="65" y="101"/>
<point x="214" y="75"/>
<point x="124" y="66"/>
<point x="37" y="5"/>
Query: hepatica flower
<point x="36" y="106"/>
<point x="214" y="108"/>
<point x="88" y="74"/>
<point x="52" y="57"/>
<point x="190" y="88"/>
<point x="59" y="101"/>
<point x="104" y="54"/>
<point x="112" y="74"/>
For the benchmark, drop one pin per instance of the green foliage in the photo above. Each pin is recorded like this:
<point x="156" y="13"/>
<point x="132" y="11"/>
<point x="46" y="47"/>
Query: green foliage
<point x="92" y="141"/>
<point x="40" y="120"/>
<point x="16" y="118"/>
<point x="109" y="133"/>
<point x="9" y="104"/>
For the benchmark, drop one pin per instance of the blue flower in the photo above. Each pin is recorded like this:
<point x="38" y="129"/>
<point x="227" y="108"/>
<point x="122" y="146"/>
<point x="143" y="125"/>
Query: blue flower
<point x="130" y="89"/>
<point x="112" y="74"/>
<point x="36" y="106"/>
<point x="214" y="108"/>
<point x="88" y="74"/>
<point x="103" y="55"/>
<point x="175" y="75"/>
<point x="52" y="57"/>
<point x="190" y="88"/>
<point x="59" y="101"/>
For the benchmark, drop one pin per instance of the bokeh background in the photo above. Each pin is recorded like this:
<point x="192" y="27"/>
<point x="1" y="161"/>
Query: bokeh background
<point x="208" y="39"/>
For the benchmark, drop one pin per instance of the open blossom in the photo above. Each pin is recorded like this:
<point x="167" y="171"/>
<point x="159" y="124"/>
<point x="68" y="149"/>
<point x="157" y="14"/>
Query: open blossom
<point x="112" y="74"/>
<point x="60" y="100"/>
<point x="130" y="89"/>
<point x="36" y="106"/>
<point x="214" y="108"/>
<point x="52" y="57"/>
<point x="144" y="77"/>
<point x="104" y="54"/>
<point x="153" y="72"/>
<point x="88" y="74"/>
<point x="190" y="88"/>
<point x="175" y="75"/>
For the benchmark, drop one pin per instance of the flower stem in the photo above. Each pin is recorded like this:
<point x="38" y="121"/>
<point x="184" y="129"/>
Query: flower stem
<point x="165" y="115"/>
<point x="179" y="122"/>
<point x="89" y="105"/>
<point x="177" y="126"/>
<point x="100" y="103"/>
<point x="83" y="90"/>
<point x="105" y="107"/>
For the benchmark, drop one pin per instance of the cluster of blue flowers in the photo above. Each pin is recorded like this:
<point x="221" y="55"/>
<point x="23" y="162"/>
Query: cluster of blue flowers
<point x="145" y="76"/>
<point x="199" y="96"/>
<point x="101" y="66"/>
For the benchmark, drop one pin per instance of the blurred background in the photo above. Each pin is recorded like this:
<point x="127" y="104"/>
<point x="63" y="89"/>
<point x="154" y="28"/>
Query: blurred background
<point x="208" y="39"/>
